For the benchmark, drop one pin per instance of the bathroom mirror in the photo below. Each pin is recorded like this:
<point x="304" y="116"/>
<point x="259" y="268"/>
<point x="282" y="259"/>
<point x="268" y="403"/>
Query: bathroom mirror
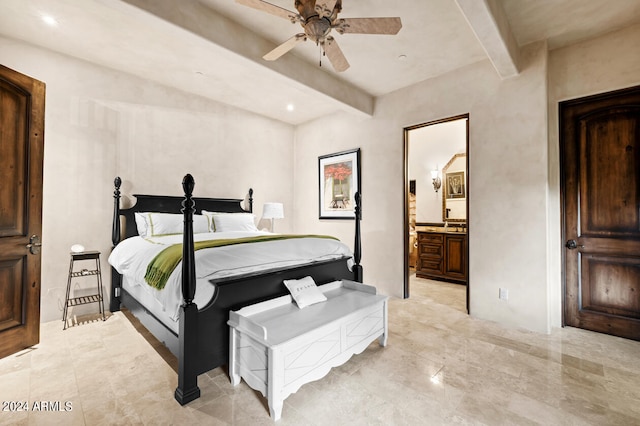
<point x="454" y="193"/>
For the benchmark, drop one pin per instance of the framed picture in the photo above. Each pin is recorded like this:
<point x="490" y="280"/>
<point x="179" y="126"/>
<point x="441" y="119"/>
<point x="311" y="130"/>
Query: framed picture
<point x="339" y="180"/>
<point x="455" y="188"/>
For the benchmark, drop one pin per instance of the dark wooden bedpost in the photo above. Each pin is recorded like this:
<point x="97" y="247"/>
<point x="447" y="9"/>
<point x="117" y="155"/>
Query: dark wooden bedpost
<point x="188" y="389"/>
<point x="115" y="233"/>
<point x="188" y="260"/>
<point x="251" y="200"/>
<point x="357" y="248"/>
<point x="116" y="278"/>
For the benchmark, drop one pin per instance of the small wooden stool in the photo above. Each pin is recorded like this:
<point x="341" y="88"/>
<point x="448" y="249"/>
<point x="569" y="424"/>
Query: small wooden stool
<point x="83" y="300"/>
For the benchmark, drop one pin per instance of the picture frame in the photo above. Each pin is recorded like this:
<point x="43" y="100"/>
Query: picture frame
<point x="338" y="181"/>
<point x="455" y="185"/>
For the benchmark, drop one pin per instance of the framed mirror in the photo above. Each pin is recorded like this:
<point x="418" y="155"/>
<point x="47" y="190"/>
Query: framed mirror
<point x="454" y="194"/>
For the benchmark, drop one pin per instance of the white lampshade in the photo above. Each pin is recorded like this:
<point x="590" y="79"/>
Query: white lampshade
<point x="273" y="211"/>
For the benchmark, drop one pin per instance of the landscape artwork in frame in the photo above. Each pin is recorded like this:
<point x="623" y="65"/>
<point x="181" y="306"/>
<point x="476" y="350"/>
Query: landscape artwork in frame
<point x="455" y="185"/>
<point x="339" y="180"/>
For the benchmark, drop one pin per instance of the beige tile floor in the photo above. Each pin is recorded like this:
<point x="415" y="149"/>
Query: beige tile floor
<point x="440" y="367"/>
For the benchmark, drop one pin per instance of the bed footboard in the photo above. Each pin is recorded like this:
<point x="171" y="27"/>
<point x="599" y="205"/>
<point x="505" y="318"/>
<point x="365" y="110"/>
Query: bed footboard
<point x="237" y="292"/>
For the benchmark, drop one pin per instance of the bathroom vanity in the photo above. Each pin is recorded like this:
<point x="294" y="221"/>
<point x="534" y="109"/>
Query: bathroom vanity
<point x="442" y="253"/>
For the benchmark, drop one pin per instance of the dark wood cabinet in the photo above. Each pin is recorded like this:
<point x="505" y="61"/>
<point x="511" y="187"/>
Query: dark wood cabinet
<point x="442" y="256"/>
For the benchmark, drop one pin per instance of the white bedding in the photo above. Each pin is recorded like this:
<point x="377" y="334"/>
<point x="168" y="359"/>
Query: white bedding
<point x="131" y="257"/>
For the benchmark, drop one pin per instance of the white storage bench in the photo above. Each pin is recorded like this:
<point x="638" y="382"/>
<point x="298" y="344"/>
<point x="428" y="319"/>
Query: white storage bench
<point x="277" y="347"/>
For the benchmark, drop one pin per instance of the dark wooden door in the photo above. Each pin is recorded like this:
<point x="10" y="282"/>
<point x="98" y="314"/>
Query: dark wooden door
<point x="600" y="170"/>
<point x="21" y="154"/>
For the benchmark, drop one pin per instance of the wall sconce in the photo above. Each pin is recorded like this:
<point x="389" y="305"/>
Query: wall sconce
<point x="437" y="183"/>
<point x="273" y="211"/>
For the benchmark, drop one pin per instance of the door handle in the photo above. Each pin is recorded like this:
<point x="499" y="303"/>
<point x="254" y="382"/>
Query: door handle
<point x="34" y="244"/>
<point x="572" y="245"/>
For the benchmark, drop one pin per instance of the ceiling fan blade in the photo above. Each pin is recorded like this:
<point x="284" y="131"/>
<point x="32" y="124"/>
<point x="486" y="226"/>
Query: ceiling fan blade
<point x="285" y="47"/>
<point x="325" y="7"/>
<point x="335" y="55"/>
<point x="272" y="9"/>
<point x="368" y="26"/>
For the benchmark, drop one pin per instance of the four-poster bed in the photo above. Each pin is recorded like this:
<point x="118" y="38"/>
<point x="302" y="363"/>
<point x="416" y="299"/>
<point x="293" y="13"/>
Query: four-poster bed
<point x="200" y="339"/>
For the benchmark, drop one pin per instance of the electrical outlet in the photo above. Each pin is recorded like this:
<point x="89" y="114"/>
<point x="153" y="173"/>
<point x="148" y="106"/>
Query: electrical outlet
<point x="503" y="294"/>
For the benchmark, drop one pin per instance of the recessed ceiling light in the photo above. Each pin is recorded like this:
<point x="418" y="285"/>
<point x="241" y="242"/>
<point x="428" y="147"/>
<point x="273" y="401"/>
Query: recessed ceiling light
<point x="50" y="20"/>
<point x="402" y="57"/>
<point x="291" y="107"/>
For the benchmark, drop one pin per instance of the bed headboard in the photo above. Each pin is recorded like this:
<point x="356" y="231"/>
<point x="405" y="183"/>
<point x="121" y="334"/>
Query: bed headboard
<point x="165" y="204"/>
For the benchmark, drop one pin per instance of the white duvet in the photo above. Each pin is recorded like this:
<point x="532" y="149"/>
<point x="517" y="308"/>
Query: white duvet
<point x="131" y="257"/>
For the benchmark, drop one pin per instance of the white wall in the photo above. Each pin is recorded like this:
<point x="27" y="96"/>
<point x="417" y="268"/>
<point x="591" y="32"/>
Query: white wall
<point x="100" y="123"/>
<point x="507" y="194"/>
<point x="601" y="65"/>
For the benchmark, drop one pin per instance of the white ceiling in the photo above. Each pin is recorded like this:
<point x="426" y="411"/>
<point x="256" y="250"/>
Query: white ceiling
<point x="213" y="48"/>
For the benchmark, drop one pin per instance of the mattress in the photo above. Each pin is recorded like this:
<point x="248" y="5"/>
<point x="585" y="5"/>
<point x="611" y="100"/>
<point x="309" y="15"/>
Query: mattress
<point x="131" y="257"/>
<point x="153" y="306"/>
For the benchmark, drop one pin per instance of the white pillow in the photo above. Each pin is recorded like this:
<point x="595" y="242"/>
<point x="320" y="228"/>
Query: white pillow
<point x="305" y="292"/>
<point x="223" y="222"/>
<point x="141" y="223"/>
<point x="155" y="224"/>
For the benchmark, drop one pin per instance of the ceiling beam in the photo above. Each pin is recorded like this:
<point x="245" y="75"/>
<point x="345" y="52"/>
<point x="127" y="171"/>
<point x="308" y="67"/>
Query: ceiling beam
<point x="491" y="26"/>
<point x="197" y="18"/>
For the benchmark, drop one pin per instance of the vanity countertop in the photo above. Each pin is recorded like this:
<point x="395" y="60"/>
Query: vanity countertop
<point x="451" y="229"/>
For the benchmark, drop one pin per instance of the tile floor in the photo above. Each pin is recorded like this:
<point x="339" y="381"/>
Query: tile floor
<point x="440" y="367"/>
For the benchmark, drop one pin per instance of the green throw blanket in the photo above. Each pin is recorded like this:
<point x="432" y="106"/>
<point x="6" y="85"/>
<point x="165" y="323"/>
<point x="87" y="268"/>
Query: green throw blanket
<point x="161" y="267"/>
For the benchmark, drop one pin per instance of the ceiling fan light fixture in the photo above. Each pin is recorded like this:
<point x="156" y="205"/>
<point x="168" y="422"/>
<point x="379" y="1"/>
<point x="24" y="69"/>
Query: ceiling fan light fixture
<point x="317" y="28"/>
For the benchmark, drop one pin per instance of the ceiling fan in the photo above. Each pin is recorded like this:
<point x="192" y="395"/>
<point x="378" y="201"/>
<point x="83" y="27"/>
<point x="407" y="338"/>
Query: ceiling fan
<point x="318" y="18"/>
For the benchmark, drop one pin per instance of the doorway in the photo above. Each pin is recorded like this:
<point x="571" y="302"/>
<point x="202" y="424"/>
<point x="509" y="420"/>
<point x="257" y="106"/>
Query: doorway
<point x="600" y="187"/>
<point x="436" y="165"/>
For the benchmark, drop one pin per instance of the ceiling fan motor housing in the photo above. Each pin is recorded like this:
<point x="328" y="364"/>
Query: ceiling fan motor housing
<point x="318" y="19"/>
<point x="307" y="9"/>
